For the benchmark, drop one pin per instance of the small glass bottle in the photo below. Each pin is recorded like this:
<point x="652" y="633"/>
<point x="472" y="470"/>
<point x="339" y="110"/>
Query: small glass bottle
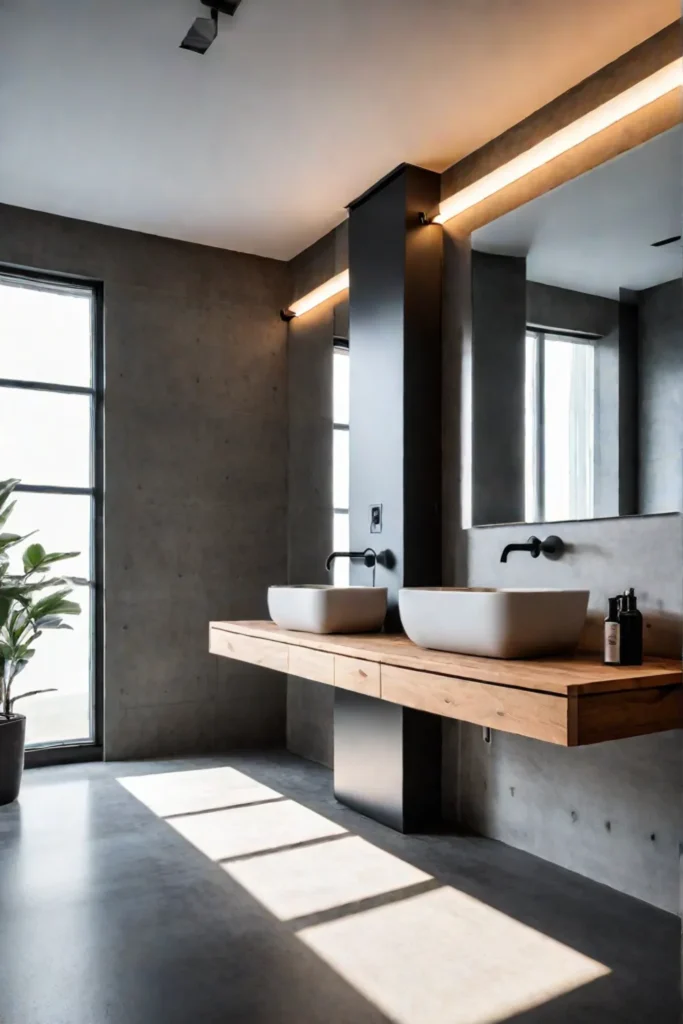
<point x="612" y="651"/>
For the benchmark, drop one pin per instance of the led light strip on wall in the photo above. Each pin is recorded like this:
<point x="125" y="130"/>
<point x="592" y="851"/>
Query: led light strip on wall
<point x="325" y="291"/>
<point x="604" y="116"/>
<point x="607" y="114"/>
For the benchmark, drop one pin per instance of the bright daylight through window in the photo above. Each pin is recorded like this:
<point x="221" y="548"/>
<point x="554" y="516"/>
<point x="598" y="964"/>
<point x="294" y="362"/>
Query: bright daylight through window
<point x="47" y="440"/>
<point x="340" y="462"/>
<point x="559" y="428"/>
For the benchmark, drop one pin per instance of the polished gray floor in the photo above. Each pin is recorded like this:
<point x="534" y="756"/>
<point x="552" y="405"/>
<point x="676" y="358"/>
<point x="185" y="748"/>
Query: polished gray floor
<point x="111" y="913"/>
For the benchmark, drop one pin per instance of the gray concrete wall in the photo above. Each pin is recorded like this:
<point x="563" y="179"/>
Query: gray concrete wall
<point x="309" y="468"/>
<point x="553" y="802"/>
<point x="660" y="396"/>
<point x="614" y="811"/>
<point x="195" y="462"/>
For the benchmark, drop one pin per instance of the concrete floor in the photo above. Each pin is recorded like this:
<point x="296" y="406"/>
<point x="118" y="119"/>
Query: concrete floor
<point x="207" y="898"/>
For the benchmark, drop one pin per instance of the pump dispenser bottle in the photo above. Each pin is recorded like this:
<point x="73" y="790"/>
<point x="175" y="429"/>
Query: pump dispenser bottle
<point x="631" y="628"/>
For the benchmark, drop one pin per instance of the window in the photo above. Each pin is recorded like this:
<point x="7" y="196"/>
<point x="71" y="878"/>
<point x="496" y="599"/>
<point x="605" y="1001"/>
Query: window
<point x="340" y="460"/>
<point x="559" y="427"/>
<point x="49" y="439"/>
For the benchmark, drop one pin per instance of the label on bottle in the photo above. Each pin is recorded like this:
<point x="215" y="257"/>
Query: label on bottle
<point x="612" y="643"/>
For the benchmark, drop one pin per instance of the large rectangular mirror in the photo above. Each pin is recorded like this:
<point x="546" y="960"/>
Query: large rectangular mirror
<point x="577" y="347"/>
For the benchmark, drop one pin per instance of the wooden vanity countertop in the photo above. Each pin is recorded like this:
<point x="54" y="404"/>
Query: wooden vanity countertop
<point x="575" y="676"/>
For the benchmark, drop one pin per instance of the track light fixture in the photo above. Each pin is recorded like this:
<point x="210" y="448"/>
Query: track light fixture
<point x="203" y="31"/>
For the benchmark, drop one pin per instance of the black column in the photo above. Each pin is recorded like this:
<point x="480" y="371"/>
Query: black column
<point x="388" y="758"/>
<point x="395" y="363"/>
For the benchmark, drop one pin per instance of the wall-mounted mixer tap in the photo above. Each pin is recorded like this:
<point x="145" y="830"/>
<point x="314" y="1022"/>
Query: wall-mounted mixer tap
<point x="552" y="547"/>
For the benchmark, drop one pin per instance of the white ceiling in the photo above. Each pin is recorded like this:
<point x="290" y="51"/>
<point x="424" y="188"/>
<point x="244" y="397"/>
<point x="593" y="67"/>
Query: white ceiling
<point x="594" y="234"/>
<point x="297" y="108"/>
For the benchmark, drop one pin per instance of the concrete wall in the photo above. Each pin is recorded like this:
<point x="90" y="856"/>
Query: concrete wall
<point x="660" y="396"/>
<point x="553" y="802"/>
<point x="614" y="811"/>
<point x="195" y="462"/>
<point x="309" y="469"/>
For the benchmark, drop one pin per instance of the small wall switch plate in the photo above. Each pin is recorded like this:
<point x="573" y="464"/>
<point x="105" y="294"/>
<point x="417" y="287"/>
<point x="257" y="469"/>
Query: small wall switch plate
<point x="375" y="519"/>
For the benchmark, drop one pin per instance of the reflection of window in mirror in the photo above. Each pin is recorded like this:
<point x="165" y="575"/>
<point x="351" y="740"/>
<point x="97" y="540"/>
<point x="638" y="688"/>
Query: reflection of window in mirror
<point x="559" y="427"/>
<point x="340" y="459"/>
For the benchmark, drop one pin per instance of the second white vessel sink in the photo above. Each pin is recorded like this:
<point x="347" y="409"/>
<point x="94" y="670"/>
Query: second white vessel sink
<point x="494" y="623"/>
<point x="321" y="609"/>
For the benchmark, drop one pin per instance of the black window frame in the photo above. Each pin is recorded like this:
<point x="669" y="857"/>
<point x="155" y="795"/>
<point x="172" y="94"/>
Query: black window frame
<point x="66" y="752"/>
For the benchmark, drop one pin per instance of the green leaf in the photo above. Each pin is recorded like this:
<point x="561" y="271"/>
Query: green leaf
<point x="51" y="622"/>
<point x="6" y="513"/>
<point x="60" y="556"/>
<point x="9" y="540"/>
<point x="55" y="604"/>
<point x="5" y="609"/>
<point x="6" y="489"/>
<point x="34" y="557"/>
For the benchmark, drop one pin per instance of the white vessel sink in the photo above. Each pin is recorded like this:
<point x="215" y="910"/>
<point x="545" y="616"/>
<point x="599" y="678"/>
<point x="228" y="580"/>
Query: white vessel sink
<point x="494" y="623"/>
<point x="321" y="609"/>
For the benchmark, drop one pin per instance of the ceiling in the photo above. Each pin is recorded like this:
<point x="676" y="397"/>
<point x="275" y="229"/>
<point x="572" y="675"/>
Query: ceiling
<point x="594" y="234"/>
<point x="298" y="107"/>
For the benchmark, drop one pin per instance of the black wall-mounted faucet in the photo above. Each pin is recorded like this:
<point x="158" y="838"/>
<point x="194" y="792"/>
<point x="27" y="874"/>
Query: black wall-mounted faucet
<point x="552" y="547"/>
<point x="369" y="557"/>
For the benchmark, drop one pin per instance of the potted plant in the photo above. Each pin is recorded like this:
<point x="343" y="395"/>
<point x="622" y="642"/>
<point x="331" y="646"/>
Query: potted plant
<point x="31" y="602"/>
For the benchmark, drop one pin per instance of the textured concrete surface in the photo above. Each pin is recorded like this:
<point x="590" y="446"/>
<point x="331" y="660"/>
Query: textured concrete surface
<point x="563" y="799"/>
<point x="114" y="913"/>
<point x="195" y="465"/>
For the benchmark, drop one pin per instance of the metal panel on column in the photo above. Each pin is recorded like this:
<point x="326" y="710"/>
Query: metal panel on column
<point x="395" y="350"/>
<point x="387" y="761"/>
<point x="388" y="758"/>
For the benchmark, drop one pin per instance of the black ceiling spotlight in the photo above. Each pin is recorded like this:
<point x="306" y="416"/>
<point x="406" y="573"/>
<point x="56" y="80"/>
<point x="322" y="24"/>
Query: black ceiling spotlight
<point x="203" y="31"/>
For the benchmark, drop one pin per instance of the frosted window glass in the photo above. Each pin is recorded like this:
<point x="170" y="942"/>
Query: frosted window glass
<point x="63" y="522"/>
<point x="45" y="335"/>
<point x="341" y="543"/>
<point x="340" y="469"/>
<point x="340" y="380"/>
<point x="62" y="660"/>
<point x="569" y="428"/>
<point x="45" y="438"/>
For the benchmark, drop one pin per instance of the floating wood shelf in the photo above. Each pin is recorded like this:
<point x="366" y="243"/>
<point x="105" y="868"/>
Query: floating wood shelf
<point x="567" y="701"/>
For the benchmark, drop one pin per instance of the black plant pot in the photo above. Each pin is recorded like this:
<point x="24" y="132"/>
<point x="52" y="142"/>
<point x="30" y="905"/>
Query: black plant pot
<point x="12" y="735"/>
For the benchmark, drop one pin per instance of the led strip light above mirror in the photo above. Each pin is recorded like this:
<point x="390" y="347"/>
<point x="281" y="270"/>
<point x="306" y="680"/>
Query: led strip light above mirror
<point x="650" y="89"/>
<point x="607" y="114"/>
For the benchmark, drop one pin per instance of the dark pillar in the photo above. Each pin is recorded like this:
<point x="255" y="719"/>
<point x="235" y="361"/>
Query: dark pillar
<point x="629" y="503"/>
<point x="497" y="387"/>
<point x="395" y="352"/>
<point x="387" y="761"/>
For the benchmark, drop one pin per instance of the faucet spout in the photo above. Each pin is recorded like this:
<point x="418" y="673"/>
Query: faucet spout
<point x="369" y="557"/>
<point x="533" y="546"/>
<point x="552" y="547"/>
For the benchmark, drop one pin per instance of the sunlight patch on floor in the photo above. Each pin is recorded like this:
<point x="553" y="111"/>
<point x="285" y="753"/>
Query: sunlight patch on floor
<point x="437" y="957"/>
<point x="294" y="883"/>
<point x="205" y="789"/>
<point x="243" y="830"/>
<point x="445" y="958"/>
